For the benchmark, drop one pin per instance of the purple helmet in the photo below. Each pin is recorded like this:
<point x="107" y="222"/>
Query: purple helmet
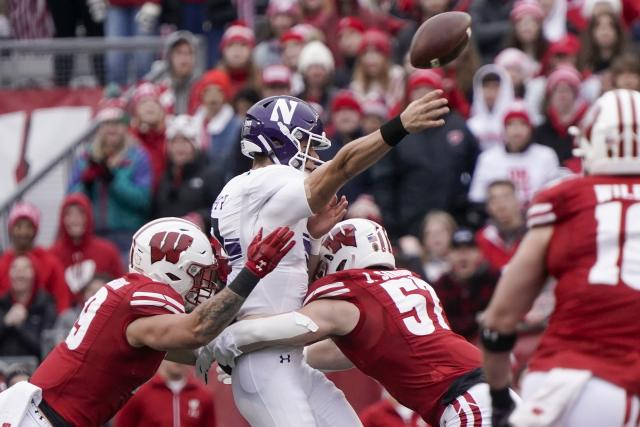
<point x="278" y="126"/>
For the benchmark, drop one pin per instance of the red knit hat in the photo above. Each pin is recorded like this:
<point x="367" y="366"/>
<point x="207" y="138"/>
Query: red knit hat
<point x="518" y="110"/>
<point x="276" y="74"/>
<point x="24" y="210"/>
<point x="238" y="33"/>
<point x="422" y="78"/>
<point x="524" y="8"/>
<point x="145" y="90"/>
<point x="345" y="99"/>
<point x="110" y="109"/>
<point x="213" y="78"/>
<point x="351" y="23"/>
<point x="292" y="35"/>
<point x="564" y="74"/>
<point x="377" y="40"/>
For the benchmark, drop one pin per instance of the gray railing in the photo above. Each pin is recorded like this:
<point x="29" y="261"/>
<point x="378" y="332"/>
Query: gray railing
<point x="12" y="48"/>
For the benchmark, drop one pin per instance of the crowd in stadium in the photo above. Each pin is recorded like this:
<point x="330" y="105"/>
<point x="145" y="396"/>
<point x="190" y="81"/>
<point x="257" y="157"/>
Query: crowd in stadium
<point x="452" y="198"/>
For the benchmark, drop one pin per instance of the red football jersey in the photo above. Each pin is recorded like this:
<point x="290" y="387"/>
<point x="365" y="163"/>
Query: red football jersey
<point x="91" y="375"/>
<point x="594" y="254"/>
<point x="402" y="339"/>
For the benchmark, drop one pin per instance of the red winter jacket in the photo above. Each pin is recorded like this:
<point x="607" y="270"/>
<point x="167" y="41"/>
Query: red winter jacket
<point x="154" y="404"/>
<point x="155" y="144"/>
<point x="82" y="260"/>
<point x="48" y="271"/>
<point x="383" y="414"/>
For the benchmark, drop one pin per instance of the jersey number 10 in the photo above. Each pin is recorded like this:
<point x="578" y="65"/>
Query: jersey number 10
<point x="419" y="321"/>
<point x="609" y="268"/>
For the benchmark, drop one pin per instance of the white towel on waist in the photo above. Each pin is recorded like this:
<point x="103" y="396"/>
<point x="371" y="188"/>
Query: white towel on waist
<point x="15" y="400"/>
<point x="547" y="404"/>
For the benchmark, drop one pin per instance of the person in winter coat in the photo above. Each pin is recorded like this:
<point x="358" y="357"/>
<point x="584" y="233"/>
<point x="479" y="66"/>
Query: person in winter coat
<point x="490" y="25"/>
<point x="492" y="96"/>
<point x="81" y="252"/>
<point x="237" y="62"/>
<point x="115" y="174"/>
<point x="147" y="125"/>
<point x="190" y="184"/>
<point x="24" y="219"/>
<point x="430" y="170"/>
<point x="529" y="165"/>
<point x="565" y="108"/>
<point x="25" y="311"/>
<point x="170" y="398"/>
<point x="216" y="123"/>
<point x="182" y="73"/>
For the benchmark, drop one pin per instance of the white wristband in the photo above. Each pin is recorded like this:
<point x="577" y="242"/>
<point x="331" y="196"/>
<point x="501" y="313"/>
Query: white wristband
<point x="316" y="244"/>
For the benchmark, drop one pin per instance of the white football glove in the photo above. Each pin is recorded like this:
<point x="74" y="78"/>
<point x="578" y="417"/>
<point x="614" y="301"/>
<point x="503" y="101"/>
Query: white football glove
<point x="97" y="10"/>
<point x="223" y="377"/>
<point x="203" y="362"/>
<point x="225" y="349"/>
<point x="147" y="17"/>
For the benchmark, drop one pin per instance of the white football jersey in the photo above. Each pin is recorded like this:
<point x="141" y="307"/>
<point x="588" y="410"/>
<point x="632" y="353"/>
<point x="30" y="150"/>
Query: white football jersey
<point x="529" y="170"/>
<point x="266" y="198"/>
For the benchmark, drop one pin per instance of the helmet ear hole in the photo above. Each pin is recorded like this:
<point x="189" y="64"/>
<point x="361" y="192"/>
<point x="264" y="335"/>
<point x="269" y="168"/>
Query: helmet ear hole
<point x="341" y="265"/>
<point x="173" y="277"/>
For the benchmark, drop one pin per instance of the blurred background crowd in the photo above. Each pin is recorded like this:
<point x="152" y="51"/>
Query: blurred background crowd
<point x="452" y="198"/>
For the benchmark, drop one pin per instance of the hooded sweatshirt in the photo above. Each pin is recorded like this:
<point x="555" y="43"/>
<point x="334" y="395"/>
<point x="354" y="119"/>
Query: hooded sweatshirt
<point x="82" y="260"/>
<point x="487" y="124"/>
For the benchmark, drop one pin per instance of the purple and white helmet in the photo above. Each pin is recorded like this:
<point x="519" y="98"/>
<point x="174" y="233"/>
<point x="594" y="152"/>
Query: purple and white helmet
<point x="278" y="126"/>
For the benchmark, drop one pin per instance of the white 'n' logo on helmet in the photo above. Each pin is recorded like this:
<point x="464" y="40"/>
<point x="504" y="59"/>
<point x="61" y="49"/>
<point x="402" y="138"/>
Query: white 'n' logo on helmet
<point x="283" y="111"/>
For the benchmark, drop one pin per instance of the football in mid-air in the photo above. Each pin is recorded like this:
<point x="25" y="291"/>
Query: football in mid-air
<point x="440" y="39"/>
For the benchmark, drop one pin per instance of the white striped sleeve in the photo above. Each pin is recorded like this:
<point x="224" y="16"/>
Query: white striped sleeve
<point x="156" y="300"/>
<point x="540" y="214"/>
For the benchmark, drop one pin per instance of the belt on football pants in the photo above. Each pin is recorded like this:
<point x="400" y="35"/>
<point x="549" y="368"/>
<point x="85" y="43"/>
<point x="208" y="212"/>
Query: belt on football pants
<point x="54" y="418"/>
<point x="461" y="384"/>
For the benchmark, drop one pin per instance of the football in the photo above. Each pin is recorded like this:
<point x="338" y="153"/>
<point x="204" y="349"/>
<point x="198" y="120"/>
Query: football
<point x="440" y="39"/>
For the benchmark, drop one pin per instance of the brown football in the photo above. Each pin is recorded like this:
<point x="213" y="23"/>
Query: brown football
<point x="440" y="39"/>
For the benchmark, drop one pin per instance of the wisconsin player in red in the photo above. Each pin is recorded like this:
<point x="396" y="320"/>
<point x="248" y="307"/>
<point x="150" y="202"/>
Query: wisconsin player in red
<point x="585" y="232"/>
<point x="385" y="321"/>
<point x="127" y="328"/>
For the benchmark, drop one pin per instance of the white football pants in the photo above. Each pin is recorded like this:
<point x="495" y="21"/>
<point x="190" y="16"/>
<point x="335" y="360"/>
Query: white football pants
<point x="275" y="387"/>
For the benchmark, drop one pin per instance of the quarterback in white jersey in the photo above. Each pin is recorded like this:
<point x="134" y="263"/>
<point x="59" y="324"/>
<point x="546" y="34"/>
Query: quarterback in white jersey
<point x="275" y="387"/>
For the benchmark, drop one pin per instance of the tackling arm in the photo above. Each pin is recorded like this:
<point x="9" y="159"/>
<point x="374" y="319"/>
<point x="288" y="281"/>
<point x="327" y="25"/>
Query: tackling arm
<point x="189" y="331"/>
<point x="327" y="357"/>
<point x="355" y="157"/>
<point x="311" y="323"/>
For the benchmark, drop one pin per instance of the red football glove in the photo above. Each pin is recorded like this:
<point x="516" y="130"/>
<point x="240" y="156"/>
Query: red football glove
<point x="264" y="255"/>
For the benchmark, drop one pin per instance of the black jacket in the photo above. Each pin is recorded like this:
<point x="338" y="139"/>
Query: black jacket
<point x="426" y="171"/>
<point x="24" y="340"/>
<point x="546" y="134"/>
<point x="193" y="191"/>
<point x="490" y="25"/>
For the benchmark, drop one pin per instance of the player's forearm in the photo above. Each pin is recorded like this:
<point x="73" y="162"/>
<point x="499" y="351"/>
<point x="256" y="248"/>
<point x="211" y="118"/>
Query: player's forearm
<point x="327" y="357"/>
<point x="186" y="356"/>
<point x="283" y="329"/>
<point x="497" y="369"/>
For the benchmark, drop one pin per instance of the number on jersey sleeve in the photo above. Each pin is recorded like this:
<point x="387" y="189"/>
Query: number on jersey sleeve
<point x="417" y="305"/>
<point x="79" y="329"/>
<point x="611" y="217"/>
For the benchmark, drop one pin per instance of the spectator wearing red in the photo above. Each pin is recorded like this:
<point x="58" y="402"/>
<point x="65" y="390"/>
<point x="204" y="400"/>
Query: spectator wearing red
<point x="500" y="238"/>
<point x="236" y="47"/>
<point x="147" y="125"/>
<point x="565" y="108"/>
<point x="527" y="34"/>
<point x="276" y="80"/>
<point x="350" y="32"/>
<point x="321" y="14"/>
<point x="466" y="289"/>
<point x="375" y="75"/>
<point x="457" y="81"/>
<point x="170" y="398"/>
<point x="217" y="125"/>
<point x="24" y="220"/>
<point x="81" y="252"/>
<point x="25" y="311"/>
